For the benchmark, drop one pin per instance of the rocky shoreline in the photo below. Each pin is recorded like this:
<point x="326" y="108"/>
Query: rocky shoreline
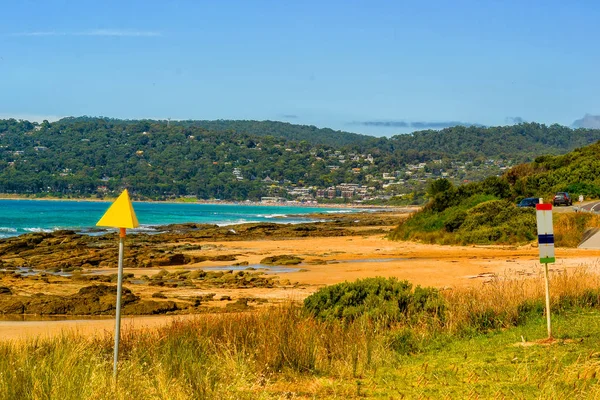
<point x="90" y="300"/>
<point x="68" y="250"/>
<point x="76" y="260"/>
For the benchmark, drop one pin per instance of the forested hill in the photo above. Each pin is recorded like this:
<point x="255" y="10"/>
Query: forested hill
<point x="276" y="129"/>
<point x="285" y="130"/>
<point x="577" y="172"/>
<point x="248" y="159"/>
<point x="519" y="143"/>
<point x="486" y="212"/>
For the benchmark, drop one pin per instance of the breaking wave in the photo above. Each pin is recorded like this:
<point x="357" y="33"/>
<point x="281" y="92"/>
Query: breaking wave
<point x="39" y="230"/>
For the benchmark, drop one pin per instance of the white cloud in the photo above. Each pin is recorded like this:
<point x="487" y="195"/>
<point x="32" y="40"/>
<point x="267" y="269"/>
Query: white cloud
<point x="119" y="32"/>
<point x="93" y="32"/>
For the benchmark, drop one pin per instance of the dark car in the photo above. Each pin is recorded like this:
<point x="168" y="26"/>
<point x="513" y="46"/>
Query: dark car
<point x="529" y="202"/>
<point x="562" y="199"/>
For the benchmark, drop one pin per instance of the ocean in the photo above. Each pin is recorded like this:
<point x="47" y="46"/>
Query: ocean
<point x="25" y="216"/>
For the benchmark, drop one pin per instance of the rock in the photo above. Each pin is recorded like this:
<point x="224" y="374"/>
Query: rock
<point x="283" y="259"/>
<point x="239" y="305"/>
<point x="90" y="300"/>
<point x="224" y="257"/>
<point x="241" y="264"/>
<point x="11" y="305"/>
<point x="148" y="307"/>
<point x="173" y="259"/>
<point x="65" y="249"/>
<point x="5" y="290"/>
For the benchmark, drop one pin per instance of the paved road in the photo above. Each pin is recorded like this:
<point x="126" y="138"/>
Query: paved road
<point x="593" y="206"/>
<point x="587" y="206"/>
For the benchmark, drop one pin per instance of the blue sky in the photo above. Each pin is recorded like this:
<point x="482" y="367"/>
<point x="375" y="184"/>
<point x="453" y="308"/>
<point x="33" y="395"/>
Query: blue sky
<point x="375" y="67"/>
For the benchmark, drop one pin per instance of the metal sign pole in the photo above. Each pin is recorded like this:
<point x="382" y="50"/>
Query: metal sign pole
<point x="119" y="215"/>
<point x="548" y="301"/>
<point x="546" y="247"/>
<point x="118" y="310"/>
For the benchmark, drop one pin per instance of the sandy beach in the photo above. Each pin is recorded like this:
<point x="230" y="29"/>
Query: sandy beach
<point x="325" y="261"/>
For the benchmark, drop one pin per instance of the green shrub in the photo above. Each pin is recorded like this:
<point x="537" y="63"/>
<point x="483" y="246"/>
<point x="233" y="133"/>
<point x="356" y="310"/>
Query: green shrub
<point x="455" y="220"/>
<point x="528" y="309"/>
<point x="588" y="298"/>
<point x="497" y="221"/>
<point x="585" y="188"/>
<point x="430" y="221"/>
<point x="479" y="219"/>
<point x="403" y="342"/>
<point x="485" y="320"/>
<point x="378" y="298"/>
<point x="444" y="200"/>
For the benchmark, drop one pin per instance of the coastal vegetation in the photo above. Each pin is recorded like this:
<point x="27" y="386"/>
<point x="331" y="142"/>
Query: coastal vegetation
<point x="577" y="172"/>
<point x="486" y="341"/>
<point x="490" y="222"/>
<point x="472" y="213"/>
<point x="485" y="212"/>
<point x="248" y="160"/>
<point x="377" y="298"/>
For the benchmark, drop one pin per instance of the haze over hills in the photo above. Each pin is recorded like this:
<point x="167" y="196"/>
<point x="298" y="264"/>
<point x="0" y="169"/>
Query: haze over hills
<point x="239" y="160"/>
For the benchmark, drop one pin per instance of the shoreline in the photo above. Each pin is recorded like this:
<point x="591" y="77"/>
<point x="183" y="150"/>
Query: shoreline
<point x="281" y="216"/>
<point x="4" y="196"/>
<point x="328" y="260"/>
<point x="332" y="253"/>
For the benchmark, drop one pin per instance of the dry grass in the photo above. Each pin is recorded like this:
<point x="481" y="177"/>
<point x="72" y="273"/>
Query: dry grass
<point x="505" y="302"/>
<point x="278" y="352"/>
<point x="213" y="356"/>
<point x="569" y="227"/>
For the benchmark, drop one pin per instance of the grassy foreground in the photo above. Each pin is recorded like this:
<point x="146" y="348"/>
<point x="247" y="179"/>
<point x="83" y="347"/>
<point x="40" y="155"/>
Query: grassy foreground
<point x="480" y="348"/>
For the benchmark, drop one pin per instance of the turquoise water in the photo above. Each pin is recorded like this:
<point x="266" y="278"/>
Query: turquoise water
<point x="25" y="216"/>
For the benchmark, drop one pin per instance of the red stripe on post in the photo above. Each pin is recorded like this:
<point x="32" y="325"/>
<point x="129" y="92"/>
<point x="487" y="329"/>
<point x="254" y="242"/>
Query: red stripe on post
<point x="544" y="207"/>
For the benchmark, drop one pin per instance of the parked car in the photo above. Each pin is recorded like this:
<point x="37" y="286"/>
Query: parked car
<point x="562" y="198"/>
<point x="529" y="202"/>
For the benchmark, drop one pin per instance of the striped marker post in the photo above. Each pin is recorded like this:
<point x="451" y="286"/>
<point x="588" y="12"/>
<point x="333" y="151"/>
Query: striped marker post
<point x="546" y="246"/>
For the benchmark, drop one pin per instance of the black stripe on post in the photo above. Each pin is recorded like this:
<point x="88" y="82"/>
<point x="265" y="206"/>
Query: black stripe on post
<point x="546" y="239"/>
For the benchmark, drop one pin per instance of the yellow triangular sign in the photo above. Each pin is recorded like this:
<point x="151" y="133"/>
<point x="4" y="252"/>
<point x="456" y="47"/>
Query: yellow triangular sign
<point x="120" y="214"/>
